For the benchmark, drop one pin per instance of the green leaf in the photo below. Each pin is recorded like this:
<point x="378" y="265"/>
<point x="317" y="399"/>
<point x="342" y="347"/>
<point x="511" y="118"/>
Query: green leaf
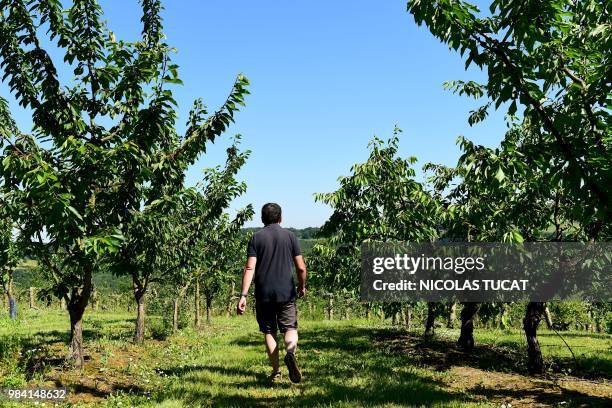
<point x="75" y="212"/>
<point x="499" y="175"/>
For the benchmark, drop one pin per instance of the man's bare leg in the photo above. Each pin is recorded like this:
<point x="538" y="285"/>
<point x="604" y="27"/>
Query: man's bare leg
<point x="272" y="350"/>
<point x="291" y="340"/>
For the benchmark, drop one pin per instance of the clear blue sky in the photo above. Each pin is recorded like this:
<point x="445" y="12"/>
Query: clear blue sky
<point x="326" y="76"/>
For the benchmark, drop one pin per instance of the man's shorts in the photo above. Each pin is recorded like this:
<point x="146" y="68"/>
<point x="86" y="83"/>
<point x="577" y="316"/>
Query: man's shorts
<point x="273" y="316"/>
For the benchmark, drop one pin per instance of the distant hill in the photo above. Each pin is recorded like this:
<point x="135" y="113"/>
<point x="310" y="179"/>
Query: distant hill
<point x="300" y="233"/>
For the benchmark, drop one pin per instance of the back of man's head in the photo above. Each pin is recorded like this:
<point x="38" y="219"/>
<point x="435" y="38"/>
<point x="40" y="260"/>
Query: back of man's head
<point x="271" y="213"/>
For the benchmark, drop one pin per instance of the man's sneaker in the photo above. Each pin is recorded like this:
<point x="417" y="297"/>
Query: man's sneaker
<point x="294" y="372"/>
<point x="275" y="377"/>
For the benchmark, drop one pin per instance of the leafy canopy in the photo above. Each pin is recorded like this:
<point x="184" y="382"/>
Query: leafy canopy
<point x="99" y="139"/>
<point x="552" y="58"/>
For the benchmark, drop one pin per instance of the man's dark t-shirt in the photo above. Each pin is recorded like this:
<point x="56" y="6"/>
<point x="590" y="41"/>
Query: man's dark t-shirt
<point x="274" y="247"/>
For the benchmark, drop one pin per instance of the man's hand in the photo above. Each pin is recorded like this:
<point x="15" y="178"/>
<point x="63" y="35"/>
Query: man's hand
<point x="247" y="277"/>
<point x="240" y="309"/>
<point x="300" y="268"/>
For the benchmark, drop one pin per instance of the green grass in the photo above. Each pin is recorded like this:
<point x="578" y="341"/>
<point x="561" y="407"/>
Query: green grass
<point x="344" y="363"/>
<point x="592" y="351"/>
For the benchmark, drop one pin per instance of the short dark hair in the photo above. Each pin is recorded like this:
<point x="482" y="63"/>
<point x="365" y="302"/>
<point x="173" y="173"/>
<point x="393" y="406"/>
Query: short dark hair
<point x="270" y="213"/>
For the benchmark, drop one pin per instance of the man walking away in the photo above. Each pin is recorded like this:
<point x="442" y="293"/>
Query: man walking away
<point x="271" y="254"/>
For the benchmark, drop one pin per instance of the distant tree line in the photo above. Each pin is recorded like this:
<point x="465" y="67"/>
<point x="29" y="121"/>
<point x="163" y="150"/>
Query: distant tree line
<point x="300" y="233"/>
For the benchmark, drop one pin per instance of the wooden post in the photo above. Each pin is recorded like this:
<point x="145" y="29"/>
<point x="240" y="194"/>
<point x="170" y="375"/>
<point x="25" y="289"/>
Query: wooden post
<point x="175" y="314"/>
<point x="452" y="313"/>
<point x="330" y="307"/>
<point x="408" y="317"/>
<point x="32" y="302"/>
<point x="94" y="299"/>
<point x="230" y="298"/>
<point x="548" y="318"/>
<point x="503" y="318"/>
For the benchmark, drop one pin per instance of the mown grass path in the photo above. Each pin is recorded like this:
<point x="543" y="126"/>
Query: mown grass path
<point x="345" y="364"/>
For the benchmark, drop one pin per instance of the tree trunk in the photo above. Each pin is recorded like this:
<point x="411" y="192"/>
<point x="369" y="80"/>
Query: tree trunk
<point x="62" y="303"/>
<point x="209" y="309"/>
<point x="452" y="315"/>
<point x="175" y="314"/>
<point x="139" y="289"/>
<point x="31" y="295"/>
<point x="139" y="332"/>
<point x="598" y="325"/>
<point x="408" y="317"/>
<point x="533" y="315"/>
<point x="11" y="299"/>
<point x="176" y="303"/>
<point x="196" y="305"/>
<point x="598" y="317"/>
<point x="548" y="318"/>
<point x="429" y="323"/>
<point x="76" y="310"/>
<point x="466" y="338"/>
<point x="330" y="308"/>
<point x="12" y="308"/>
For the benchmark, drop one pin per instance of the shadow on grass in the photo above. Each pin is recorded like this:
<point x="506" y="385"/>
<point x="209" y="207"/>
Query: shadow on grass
<point x="353" y="365"/>
<point x="587" y="366"/>
<point x="505" y="356"/>
<point x="94" y="390"/>
<point x="442" y="354"/>
<point x="374" y="354"/>
<point x="540" y="397"/>
<point x="32" y="351"/>
<point x="339" y="366"/>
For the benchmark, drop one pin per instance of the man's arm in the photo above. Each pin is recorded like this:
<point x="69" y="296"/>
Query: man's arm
<point x="247" y="278"/>
<point x="300" y="268"/>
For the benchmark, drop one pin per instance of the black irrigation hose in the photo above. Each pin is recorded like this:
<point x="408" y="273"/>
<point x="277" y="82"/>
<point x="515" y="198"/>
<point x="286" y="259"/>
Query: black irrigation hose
<point x="568" y="347"/>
